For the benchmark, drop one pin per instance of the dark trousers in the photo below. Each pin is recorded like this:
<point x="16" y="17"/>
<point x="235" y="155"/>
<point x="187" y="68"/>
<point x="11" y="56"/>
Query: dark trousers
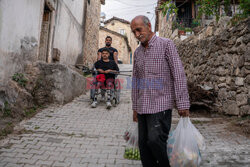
<point x="153" y="135"/>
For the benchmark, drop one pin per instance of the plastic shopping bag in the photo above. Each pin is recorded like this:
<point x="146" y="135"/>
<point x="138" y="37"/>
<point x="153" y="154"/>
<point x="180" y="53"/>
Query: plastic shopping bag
<point x="184" y="145"/>
<point x="132" y="149"/>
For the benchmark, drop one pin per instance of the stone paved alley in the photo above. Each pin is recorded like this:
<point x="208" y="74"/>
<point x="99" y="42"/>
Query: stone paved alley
<point x="76" y="135"/>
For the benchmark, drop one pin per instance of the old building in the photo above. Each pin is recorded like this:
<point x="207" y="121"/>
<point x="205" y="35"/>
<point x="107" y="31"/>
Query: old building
<point x="47" y="30"/>
<point x="41" y="41"/>
<point x="186" y="17"/>
<point x="91" y="42"/>
<point x="122" y="27"/>
<point x="119" y="41"/>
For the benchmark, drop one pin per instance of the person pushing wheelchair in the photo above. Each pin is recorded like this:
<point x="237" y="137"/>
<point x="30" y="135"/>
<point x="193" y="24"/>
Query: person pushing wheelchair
<point x="105" y="79"/>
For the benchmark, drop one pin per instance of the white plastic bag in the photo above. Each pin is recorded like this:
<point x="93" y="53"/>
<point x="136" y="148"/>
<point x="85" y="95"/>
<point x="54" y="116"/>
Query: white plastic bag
<point x="184" y="145"/>
<point x="132" y="149"/>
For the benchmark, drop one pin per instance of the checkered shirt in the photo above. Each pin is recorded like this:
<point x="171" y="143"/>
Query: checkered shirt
<point x="159" y="80"/>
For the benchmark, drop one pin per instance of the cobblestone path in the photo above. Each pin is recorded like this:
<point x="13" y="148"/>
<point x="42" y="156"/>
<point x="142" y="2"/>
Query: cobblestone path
<point x="77" y="135"/>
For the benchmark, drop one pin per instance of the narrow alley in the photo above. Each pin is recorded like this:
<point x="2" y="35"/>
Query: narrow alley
<point x="77" y="135"/>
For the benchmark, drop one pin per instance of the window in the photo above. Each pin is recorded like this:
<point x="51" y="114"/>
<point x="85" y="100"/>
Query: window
<point x="122" y="31"/>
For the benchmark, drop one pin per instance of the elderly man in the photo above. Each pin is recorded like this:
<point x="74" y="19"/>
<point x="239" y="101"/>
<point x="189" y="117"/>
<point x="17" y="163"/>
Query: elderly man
<point x="159" y="82"/>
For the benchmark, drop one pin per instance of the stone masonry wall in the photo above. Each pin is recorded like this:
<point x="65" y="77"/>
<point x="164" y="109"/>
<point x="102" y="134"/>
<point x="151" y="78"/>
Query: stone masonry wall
<point x="218" y="60"/>
<point x="91" y="40"/>
<point x="46" y="84"/>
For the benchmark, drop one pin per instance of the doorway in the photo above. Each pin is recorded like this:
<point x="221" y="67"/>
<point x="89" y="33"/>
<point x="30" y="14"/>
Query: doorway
<point x="45" y="34"/>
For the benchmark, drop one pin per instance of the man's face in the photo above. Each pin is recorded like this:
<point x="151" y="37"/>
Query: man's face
<point x="108" y="41"/>
<point x="105" y="55"/>
<point x="141" y="31"/>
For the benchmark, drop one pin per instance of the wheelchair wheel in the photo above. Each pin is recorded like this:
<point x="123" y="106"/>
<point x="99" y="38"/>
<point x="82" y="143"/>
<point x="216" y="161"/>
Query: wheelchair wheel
<point x="117" y="91"/>
<point x="92" y="94"/>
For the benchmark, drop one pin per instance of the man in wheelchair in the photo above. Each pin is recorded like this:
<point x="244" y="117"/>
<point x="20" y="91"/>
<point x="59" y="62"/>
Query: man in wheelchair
<point x="105" y="79"/>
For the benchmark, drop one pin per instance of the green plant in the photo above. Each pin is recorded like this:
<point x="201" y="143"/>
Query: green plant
<point x="209" y="8"/>
<point x="245" y="7"/>
<point x="37" y="127"/>
<point x="175" y="25"/>
<point x="30" y="112"/>
<point x="212" y="8"/>
<point x="20" y="79"/>
<point x="6" y="110"/>
<point x="182" y="28"/>
<point x="236" y="19"/>
<point x="188" y="29"/>
<point x="195" y="23"/>
<point x="169" y="7"/>
<point x="196" y="122"/>
<point x="6" y="130"/>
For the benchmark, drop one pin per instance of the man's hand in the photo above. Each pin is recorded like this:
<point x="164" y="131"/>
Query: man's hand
<point x="183" y="113"/>
<point x="135" y="116"/>
<point x="101" y="71"/>
<point x="108" y="71"/>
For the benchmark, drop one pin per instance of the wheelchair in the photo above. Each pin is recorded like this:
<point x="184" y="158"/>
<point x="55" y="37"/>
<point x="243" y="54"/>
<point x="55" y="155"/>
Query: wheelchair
<point x="97" y="88"/>
<point x="115" y="90"/>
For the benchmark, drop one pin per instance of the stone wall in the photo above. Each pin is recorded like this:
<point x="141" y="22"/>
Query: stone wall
<point x="218" y="60"/>
<point x="164" y="27"/>
<point x="91" y="41"/>
<point x="46" y="84"/>
<point x="118" y="41"/>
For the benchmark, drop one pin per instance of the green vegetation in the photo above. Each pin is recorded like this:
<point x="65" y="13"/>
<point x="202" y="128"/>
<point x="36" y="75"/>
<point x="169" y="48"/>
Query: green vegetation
<point x="87" y="75"/>
<point x="245" y="7"/>
<point x="37" y="127"/>
<point x="212" y="8"/>
<point x="7" y="130"/>
<point x="7" y="111"/>
<point x="169" y="7"/>
<point x="209" y="8"/>
<point x="20" y="79"/>
<point x="196" y="122"/>
<point x="195" y="23"/>
<point x="30" y="112"/>
<point x="188" y="29"/>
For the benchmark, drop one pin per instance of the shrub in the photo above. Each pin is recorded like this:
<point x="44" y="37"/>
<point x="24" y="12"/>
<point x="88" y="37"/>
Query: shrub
<point x="20" y="79"/>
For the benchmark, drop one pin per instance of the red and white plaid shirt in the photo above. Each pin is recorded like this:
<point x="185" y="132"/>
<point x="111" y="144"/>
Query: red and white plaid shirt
<point x="159" y="80"/>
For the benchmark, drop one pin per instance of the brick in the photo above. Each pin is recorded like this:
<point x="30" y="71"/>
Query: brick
<point x="42" y="162"/>
<point x="27" y="161"/>
<point x="61" y="164"/>
<point x="60" y="149"/>
<point x="47" y="148"/>
<point x="22" y="155"/>
<point x="96" y="165"/>
<point x="13" y="165"/>
<point x="3" y="163"/>
<point x="71" y="159"/>
<point x="33" y="151"/>
<point x="30" y="146"/>
<point x="106" y="161"/>
<point x="57" y="158"/>
<point x="53" y="153"/>
<point x="40" y="157"/>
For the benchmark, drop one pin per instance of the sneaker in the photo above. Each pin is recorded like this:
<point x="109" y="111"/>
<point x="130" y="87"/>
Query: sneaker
<point x="109" y="105"/>
<point x="94" y="104"/>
